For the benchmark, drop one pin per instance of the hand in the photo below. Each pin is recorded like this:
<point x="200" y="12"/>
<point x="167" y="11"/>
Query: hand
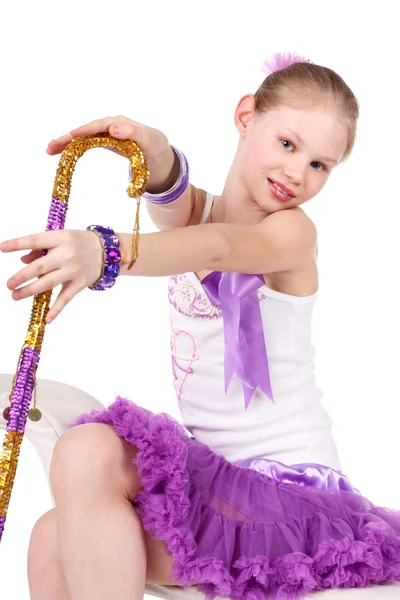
<point x="151" y="141"/>
<point x="74" y="260"/>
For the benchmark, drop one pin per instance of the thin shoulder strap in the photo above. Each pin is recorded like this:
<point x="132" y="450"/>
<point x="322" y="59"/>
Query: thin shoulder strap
<point x="207" y="208"/>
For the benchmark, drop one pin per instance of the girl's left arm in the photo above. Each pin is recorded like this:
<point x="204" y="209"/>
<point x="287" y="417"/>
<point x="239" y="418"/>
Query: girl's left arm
<point x="285" y="241"/>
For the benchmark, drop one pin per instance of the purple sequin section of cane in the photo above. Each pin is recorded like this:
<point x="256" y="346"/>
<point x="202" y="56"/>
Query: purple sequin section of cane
<point x="25" y="379"/>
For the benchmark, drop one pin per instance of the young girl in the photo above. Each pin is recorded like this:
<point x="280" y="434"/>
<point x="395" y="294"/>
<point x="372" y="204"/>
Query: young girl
<point x="252" y="504"/>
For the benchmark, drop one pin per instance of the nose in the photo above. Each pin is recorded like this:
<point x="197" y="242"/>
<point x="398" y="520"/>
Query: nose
<point x="295" y="171"/>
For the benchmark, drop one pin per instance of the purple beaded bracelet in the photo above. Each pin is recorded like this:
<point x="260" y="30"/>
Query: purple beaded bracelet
<point x="112" y="257"/>
<point x="179" y="186"/>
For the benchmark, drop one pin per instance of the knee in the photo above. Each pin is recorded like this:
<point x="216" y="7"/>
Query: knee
<point x="89" y="453"/>
<point x="82" y="449"/>
<point x="43" y="543"/>
<point x="45" y="526"/>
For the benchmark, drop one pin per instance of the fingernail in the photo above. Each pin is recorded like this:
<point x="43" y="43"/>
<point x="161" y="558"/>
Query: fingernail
<point x="116" y="129"/>
<point x="3" y="246"/>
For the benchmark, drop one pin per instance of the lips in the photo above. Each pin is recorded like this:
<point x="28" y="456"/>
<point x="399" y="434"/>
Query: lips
<point x="283" y="187"/>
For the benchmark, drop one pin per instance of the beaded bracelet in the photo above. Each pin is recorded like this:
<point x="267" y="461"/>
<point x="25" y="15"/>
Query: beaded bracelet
<point x="112" y="257"/>
<point x="179" y="186"/>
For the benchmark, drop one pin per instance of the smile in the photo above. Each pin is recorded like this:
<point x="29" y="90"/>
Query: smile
<point x="278" y="192"/>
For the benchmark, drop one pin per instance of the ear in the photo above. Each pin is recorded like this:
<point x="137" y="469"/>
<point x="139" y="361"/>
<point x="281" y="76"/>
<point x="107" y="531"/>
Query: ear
<point x="244" y="113"/>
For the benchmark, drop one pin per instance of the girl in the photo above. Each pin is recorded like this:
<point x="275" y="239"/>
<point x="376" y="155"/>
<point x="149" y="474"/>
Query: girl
<point x="251" y="504"/>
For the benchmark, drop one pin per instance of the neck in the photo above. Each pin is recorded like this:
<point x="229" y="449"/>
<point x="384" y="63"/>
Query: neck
<point x="235" y="204"/>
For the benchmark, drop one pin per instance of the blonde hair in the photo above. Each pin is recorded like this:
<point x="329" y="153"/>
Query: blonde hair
<point x="307" y="83"/>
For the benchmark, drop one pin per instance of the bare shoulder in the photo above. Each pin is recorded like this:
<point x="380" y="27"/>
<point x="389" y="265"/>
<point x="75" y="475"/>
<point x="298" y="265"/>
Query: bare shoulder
<point x="302" y="280"/>
<point x="292" y="228"/>
<point x="292" y="222"/>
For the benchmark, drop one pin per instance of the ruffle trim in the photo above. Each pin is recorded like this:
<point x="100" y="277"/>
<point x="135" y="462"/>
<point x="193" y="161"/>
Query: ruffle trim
<point x="164" y="503"/>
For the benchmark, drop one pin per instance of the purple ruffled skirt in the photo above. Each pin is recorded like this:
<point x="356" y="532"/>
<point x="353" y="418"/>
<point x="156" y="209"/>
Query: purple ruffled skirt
<point x="245" y="531"/>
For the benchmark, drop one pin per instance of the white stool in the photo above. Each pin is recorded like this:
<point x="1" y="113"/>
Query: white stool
<point x="60" y="404"/>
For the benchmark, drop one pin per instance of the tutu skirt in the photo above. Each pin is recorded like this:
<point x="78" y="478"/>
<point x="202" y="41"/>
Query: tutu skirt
<point x="250" y="530"/>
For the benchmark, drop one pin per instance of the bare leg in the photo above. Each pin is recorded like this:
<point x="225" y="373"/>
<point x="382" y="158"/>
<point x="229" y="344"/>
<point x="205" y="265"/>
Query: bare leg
<point x="102" y="546"/>
<point x="45" y="572"/>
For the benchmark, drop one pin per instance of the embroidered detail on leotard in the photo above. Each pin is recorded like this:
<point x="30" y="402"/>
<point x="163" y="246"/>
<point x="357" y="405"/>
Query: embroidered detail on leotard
<point x="182" y="356"/>
<point x="191" y="302"/>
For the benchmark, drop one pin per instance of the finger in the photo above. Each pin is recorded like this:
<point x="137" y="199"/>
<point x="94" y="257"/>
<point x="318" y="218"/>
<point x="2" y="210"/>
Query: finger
<point x="135" y="132"/>
<point x="36" y="241"/>
<point x="41" y="266"/>
<point x="59" y="144"/>
<point x="36" y="268"/>
<point x="97" y="126"/>
<point x="68" y="292"/>
<point x="124" y="131"/>
<point x="28" y="258"/>
<point x="44" y="284"/>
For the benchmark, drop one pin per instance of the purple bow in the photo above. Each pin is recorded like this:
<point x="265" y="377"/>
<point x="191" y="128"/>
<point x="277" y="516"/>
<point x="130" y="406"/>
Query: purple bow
<point x="245" y="350"/>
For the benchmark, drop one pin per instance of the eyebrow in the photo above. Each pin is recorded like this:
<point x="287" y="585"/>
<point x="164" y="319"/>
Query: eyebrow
<point x="303" y="142"/>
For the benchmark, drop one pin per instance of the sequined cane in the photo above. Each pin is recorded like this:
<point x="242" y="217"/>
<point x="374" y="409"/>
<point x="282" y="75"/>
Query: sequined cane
<point x="24" y="383"/>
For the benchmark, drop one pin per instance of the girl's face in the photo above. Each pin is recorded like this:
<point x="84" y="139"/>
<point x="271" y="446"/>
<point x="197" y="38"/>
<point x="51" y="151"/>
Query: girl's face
<point x="295" y="147"/>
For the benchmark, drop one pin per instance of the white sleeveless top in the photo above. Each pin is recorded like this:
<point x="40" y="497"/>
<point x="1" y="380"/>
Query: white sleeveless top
<point x="294" y="429"/>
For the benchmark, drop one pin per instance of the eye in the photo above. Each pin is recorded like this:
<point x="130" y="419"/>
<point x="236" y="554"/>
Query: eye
<point x="320" y="164"/>
<point x="284" y="140"/>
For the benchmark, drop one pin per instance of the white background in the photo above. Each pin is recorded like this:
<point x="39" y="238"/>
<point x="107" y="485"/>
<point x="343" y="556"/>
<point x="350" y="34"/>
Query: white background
<point x="181" y="67"/>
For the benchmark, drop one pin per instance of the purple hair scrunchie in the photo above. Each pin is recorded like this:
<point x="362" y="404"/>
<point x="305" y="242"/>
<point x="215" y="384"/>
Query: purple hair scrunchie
<point x="281" y="60"/>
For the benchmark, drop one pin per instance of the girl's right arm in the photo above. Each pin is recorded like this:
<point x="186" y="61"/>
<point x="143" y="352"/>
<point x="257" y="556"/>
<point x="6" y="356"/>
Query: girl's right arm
<point x="162" y="162"/>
